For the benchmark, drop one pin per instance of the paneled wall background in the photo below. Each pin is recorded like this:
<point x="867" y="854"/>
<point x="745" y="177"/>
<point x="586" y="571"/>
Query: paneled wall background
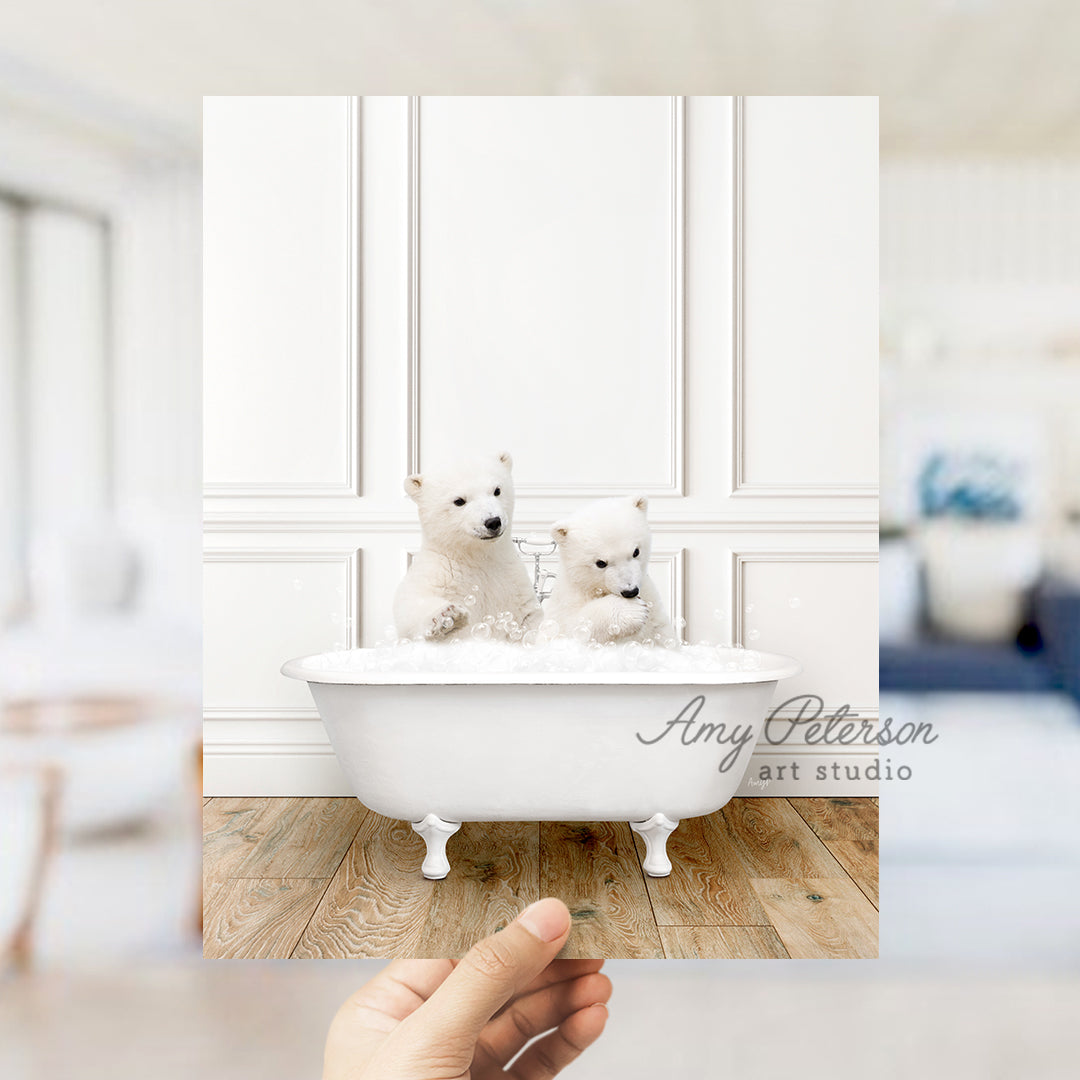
<point x="671" y="295"/>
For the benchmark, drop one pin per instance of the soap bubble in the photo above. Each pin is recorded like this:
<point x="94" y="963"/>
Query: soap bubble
<point x="470" y="600"/>
<point x="749" y="608"/>
<point x="583" y="633"/>
<point x="297" y="584"/>
<point x="481" y="631"/>
<point x="530" y="639"/>
<point x="447" y="623"/>
<point x="794" y="602"/>
<point x="753" y="635"/>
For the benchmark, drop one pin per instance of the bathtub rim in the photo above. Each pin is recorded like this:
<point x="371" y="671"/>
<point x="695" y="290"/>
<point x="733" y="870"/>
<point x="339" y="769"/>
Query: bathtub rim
<point x="781" y="667"/>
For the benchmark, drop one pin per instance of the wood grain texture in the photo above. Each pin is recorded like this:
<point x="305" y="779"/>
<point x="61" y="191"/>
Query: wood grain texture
<point x="305" y="838"/>
<point x="839" y="818"/>
<point x="593" y="868"/>
<point x="773" y="840"/>
<point x="860" y="859"/>
<point x="230" y="833"/>
<point x="821" y="918"/>
<point x="258" y="919"/>
<point x="722" y="943"/>
<point x="708" y="884"/>
<point x="739" y="886"/>
<point x="379" y="904"/>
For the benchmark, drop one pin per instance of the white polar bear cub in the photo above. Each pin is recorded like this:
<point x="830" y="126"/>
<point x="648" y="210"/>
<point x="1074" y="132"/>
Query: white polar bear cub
<point x="603" y="579"/>
<point x="467" y="567"/>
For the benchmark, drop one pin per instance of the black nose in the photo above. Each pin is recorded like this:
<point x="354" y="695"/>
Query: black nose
<point x="630" y="593"/>
<point x="493" y="524"/>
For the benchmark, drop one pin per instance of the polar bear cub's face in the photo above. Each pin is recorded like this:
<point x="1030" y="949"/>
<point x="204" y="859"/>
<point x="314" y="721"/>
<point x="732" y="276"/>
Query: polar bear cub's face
<point x="604" y="547"/>
<point x="464" y="502"/>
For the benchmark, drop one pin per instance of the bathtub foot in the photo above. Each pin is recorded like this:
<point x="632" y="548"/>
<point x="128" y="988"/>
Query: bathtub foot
<point x="436" y="832"/>
<point x="656" y="832"/>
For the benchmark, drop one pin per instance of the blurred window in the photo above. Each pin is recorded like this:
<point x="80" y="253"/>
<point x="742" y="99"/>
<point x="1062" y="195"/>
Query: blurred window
<point x="55" y="382"/>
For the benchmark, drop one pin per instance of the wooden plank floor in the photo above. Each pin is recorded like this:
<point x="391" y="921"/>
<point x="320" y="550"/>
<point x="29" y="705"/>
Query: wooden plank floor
<point x="760" y="879"/>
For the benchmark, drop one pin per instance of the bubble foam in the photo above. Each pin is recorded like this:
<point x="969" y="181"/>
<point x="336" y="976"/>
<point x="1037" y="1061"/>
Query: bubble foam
<point x="561" y="655"/>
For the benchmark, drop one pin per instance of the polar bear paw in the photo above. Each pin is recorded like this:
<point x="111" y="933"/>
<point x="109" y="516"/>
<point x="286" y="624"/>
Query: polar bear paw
<point x="446" y="621"/>
<point x="629" y="617"/>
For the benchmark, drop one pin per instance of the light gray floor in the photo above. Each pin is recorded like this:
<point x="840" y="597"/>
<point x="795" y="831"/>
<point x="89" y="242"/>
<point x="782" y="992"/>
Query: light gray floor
<point x="266" y="1021"/>
<point x="980" y="849"/>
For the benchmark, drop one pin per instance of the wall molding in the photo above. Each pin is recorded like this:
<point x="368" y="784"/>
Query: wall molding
<point x="349" y="558"/>
<point x="349" y="488"/>
<point x="310" y="768"/>
<point x="740" y="559"/>
<point x="392" y="522"/>
<point x="742" y="488"/>
<point x="675" y="484"/>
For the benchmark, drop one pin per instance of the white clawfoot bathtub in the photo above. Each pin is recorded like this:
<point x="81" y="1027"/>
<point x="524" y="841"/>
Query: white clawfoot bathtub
<point x="440" y="748"/>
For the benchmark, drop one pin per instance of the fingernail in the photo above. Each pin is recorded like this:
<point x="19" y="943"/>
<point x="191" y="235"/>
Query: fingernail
<point x="546" y="919"/>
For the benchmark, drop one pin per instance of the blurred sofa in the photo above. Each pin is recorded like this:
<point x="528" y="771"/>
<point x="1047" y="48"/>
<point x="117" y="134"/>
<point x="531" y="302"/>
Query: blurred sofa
<point x="1044" y="657"/>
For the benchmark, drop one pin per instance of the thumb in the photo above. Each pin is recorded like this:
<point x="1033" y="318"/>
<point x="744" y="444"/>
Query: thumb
<point x="489" y="975"/>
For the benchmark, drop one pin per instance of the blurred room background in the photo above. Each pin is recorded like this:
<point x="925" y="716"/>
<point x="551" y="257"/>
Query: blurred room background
<point x="99" y="506"/>
<point x="99" y="574"/>
<point x="980" y="546"/>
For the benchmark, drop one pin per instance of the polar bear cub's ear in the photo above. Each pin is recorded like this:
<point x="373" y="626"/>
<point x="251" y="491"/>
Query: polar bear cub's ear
<point x="559" y="531"/>
<point x="640" y="502"/>
<point x="413" y="484"/>
<point x="506" y="459"/>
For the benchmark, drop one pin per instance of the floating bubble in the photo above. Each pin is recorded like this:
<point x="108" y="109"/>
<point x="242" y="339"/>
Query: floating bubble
<point x="794" y="602"/>
<point x="680" y="623"/>
<point x="481" y="631"/>
<point x="297" y="584"/>
<point x="753" y="635"/>
<point x="470" y="600"/>
<point x="447" y="623"/>
<point x="748" y="608"/>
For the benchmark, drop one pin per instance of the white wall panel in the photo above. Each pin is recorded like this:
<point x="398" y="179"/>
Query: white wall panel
<point x="526" y="268"/>
<point x="279" y="296"/>
<point x="806" y="364"/>
<point x="263" y="607"/>
<point x="819" y="606"/>
<point x="548" y="236"/>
